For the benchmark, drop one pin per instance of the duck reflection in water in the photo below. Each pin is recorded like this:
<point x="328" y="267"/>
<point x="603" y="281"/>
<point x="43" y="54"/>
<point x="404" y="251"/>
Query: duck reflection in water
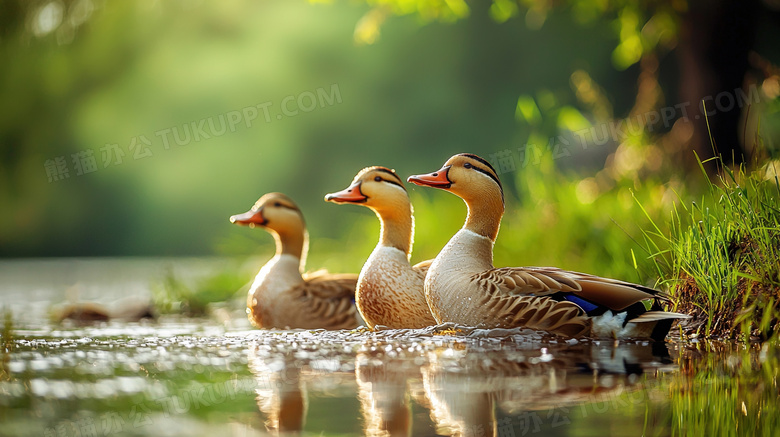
<point x="461" y="399"/>
<point x="385" y="386"/>
<point x="466" y="385"/>
<point x="281" y="395"/>
<point x="503" y="393"/>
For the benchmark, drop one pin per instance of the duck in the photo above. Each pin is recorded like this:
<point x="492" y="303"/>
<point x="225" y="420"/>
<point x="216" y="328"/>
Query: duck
<point x="463" y="286"/>
<point x="389" y="291"/>
<point x="280" y="296"/>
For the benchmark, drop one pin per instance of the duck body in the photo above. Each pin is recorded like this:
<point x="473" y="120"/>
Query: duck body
<point x="542" y="298"/>
<point x="383" y="292"/>
<point x="390" y="292"/>
<point x="463" y="286"/>
<point x="280" y="296"/>
<point x="444" y="283"/>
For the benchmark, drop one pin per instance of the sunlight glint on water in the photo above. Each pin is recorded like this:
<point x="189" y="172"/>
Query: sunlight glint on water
<point x="198" y="377"/>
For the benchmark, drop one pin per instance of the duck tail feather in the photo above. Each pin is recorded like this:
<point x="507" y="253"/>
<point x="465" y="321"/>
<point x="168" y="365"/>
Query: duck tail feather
<point x="655" y="316"/>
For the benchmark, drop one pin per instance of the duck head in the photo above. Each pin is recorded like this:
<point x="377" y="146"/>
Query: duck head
<point x="279" y="215"/>
<point x="465" y="175"/>
<point x="378" y="188"/>
<point x="475" y="181"/>
<point x="381" y="190"/>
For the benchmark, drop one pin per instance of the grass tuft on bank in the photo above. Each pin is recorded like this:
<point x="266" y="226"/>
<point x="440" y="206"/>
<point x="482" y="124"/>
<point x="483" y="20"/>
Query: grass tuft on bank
<point x="174" y="295"/>
<point x="720" y="256"/>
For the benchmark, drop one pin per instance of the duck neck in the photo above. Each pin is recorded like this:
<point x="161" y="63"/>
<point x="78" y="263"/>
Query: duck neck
<point x="292" y="243"/>
<point x="484" y="215"/>
<point x="397" y="228"/>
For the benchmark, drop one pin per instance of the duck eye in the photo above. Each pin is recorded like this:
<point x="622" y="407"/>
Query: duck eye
<point x="467" y="165"/>
<point x="277" y="204"/>
<point x="378" y="179"/>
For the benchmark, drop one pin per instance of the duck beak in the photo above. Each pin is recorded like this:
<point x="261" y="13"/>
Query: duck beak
<point x="438" y="179"/>
<point x="350" y="195"/>
<point x="251" y="218"/>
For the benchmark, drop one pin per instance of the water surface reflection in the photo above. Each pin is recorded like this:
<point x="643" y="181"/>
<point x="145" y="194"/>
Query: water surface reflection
<point x="449" y="381"/>
<point x="193" y="377"/>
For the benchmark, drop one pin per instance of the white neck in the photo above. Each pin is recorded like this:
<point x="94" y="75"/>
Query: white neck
<point x="466" y="252"/>
<point x="382" y="251"/>
<point x="277" y="275"/>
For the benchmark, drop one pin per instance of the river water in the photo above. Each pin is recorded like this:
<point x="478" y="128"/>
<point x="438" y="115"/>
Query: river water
<point x="217" y="376"/>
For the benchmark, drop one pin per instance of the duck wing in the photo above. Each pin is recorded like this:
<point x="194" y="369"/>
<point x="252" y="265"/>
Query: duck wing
<point x="527" y="281"/>
<point x="546" y="281"/>
<point x="422" y="267"/>
<point x="327" y="300"/>
<point x="524" y="297"/>
<point x="324" y="285"/>
<point x="561" y="301"/>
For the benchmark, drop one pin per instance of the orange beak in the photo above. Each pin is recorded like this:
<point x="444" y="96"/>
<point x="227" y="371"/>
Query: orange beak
<point x="436" y="179"/>
<point x="252" y="218"/>
<point x="350" y="195"/>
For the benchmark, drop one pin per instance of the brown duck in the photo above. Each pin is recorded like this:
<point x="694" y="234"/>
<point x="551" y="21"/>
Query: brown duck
<point x="463" y="286"/>
<point x="280" y="297"/>
<point x="389" y="291"/>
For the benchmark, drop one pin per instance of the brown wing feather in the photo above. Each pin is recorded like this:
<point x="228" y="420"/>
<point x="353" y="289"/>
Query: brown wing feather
<point x="540" y="313"/>
<point x="326" y="285"/>
<point x="519" y="297"/>
<point x="544" y="281"/>
<point x="527" y="281"/>
<point x="422" y="267"/>
<point x="328" y="299"/>
<point x="611" y="293"/>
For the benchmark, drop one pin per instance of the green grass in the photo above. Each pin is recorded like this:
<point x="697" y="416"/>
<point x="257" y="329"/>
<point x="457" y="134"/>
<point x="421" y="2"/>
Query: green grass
<point x="7" y="345"/>
<point x="175" y="296"/>
<point x="720" y="256"/>
<point x="584" y="224"/>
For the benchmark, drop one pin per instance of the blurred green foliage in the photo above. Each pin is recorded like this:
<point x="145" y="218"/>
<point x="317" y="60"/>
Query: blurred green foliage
<point x="84" y="77"/>
<point x="639" y="27"/>
<point x="482" y="77"/>
<point x="174" y="295"/>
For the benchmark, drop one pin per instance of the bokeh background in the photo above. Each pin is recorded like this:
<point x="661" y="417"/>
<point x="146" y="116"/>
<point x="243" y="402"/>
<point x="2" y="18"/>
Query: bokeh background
<point x="93" y="88"/>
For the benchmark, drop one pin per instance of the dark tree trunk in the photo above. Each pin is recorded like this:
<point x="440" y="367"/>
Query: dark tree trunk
<point x="715" y="39"/>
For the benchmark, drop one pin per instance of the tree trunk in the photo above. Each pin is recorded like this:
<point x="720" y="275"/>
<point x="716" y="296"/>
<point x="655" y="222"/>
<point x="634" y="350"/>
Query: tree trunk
<point x="715" y="39"/>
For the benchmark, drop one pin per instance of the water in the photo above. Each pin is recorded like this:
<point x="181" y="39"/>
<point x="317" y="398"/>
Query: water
<point x="184" y="377"/>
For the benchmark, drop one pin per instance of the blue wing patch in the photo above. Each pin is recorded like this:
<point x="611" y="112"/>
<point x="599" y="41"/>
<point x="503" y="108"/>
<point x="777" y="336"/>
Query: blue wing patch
<point x="586" y="306"/>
